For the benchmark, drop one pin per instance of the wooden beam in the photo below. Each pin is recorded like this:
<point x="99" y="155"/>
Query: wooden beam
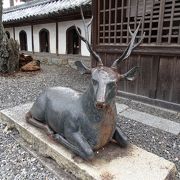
<point x="179" y="36"/>
<point x="11" y="3"/>
<point x="155" y="102"/>
<point x="1" y="11"/>
<point x="161" y="19"/>
<point x="14" y="33"/>
<point x="151" y="21"/>
<point x="104" y="20"/>
<point x="57" y="38"/>
<point x="171" y="22"/>
<point x="115" y="23"/>
<point x="122" y="17"/>
<point x="32" y="37"/>
<point x="147" y="50"/>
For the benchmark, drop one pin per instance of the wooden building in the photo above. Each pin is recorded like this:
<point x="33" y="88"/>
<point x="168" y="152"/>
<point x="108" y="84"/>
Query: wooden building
<point x="47" y="27"/>
<point x="158" y="56"/>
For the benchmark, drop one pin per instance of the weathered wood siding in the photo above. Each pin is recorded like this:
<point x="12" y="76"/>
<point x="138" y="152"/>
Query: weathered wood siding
<point x="149" y="4"/>
<point x="158" y="79"/>
<point x="158" y="58"/>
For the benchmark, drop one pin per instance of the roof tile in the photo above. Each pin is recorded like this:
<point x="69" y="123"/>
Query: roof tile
<point x="40" y="8"/>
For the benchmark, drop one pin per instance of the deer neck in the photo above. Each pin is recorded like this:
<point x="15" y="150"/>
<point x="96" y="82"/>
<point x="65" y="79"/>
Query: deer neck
<point x="88" y="100"/>
<point x="88" y="105"/>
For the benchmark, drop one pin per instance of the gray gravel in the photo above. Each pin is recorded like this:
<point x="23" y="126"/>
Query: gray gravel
<point x="25" y="87"/>
<point x="153" y="140"/>
<point x="18" y="164"/>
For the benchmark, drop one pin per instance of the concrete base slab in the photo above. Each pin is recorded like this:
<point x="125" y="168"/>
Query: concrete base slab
<point x="111" y="162"/>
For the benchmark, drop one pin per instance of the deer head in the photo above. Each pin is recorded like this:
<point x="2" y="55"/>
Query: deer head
<point x="104" y="79"/>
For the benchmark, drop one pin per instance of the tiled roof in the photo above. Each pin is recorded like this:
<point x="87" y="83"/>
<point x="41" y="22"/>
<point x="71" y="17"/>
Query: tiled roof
<point x="40" y="8"/>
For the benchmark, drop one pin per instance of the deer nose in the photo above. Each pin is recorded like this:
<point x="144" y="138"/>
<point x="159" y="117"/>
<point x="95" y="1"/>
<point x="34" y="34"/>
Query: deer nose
<point x="100" y="105"/>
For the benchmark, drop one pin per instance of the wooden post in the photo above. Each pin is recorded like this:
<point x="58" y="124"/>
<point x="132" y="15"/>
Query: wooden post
<point x="11" y="2"/>
<point x="1" y="11"/>
<point x="1" y="25"/>
<point x="14" y="33"/>
<point x="57" y="39"/>
<point x="161" y="18"/>
<point x="32" y="37"/>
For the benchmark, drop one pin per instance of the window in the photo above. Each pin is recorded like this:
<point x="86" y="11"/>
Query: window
<point x="73" y="41"/>
<point x="160" y="21"/>
<point x="8" y="34"/>
<point x="44" y="40"/>
<point x="23" y="40"/>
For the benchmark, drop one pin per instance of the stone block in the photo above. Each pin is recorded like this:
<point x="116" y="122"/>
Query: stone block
<point x="110" y="163"/>
<point x="64" y="61"/>
<point x="55" y="61"/>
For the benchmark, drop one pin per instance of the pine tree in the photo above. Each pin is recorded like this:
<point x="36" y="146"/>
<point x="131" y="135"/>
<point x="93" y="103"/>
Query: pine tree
<point x="9" y="50"/>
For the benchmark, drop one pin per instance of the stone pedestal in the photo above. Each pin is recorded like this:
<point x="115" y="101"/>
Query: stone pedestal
<point x="111" y="162"/>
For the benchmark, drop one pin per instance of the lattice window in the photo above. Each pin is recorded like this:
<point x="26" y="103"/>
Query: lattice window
<point x="160" y="21"/>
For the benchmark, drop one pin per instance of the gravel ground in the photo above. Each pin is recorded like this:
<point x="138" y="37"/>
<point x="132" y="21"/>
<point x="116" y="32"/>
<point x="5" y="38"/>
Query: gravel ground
<point x="19" y="164"/>
<point x="153" y="140"/>
<point x="25" y="87"/>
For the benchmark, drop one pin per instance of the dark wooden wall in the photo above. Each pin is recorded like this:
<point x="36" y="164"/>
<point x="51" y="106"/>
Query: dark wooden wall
<point x="158" y="82"/>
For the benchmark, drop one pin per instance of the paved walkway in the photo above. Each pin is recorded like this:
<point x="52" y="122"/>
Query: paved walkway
<point x="148" y="119"/>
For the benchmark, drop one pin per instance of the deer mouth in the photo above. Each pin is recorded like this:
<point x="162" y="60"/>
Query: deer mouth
<point x="101" y="105"/>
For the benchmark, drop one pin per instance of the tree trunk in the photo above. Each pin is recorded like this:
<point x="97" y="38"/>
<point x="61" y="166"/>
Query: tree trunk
<point x="9" y="50"/>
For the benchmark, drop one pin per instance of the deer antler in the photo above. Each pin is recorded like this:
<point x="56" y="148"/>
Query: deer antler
<point x="130" y="47"/>
<point x="86" y="38"/>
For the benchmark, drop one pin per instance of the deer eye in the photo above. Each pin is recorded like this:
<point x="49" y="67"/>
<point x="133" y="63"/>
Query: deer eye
<point x="112" y="84"/>
<point x="94" y="82"/>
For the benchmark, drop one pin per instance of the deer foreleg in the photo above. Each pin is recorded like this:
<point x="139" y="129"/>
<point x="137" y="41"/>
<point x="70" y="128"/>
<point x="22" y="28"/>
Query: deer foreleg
<point x="67" y="144"/>
<point x="120" y="137"/>
<point x="77" y="144"/>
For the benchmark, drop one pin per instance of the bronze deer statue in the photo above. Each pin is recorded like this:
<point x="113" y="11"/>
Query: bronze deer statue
<point x="85" y="122"/>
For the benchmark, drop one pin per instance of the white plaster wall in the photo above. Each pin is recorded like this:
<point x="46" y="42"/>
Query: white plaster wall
<point x="6" y="3"/>
<point x="10" y="30"/>
<point x="51" y="27"/>
<point x="18" y="2"/>
<point x="28" y="31"/>
<point x="63" y="26"/>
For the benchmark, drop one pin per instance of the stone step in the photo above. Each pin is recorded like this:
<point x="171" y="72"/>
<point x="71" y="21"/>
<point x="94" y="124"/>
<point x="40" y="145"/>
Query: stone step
<point x="111" y="162"/>
<point x="173" y="115"/>
<point x="148" y="119"/>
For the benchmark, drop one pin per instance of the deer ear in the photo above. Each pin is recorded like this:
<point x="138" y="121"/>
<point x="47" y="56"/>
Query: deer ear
<point x="131" y="74"/>
<point x="82" y="68"/>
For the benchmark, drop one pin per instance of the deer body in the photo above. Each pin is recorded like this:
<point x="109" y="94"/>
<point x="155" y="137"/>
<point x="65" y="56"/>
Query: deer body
<point x="86" y="122"/>
<point x="63" y="108"/>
